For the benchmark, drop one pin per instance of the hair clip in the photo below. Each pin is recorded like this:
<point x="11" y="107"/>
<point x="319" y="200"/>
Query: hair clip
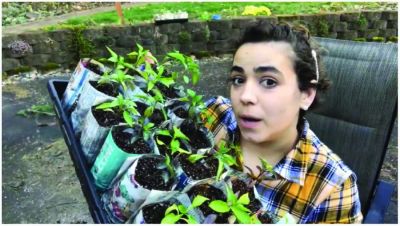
<point x="314" y="55"/>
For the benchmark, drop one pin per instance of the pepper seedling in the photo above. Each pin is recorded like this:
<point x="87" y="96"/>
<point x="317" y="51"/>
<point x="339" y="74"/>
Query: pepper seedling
<point x="176" y="212"/>
<point x="235" y="205"/>
<point x="141" y="55"/>
<point x="196" y="105"/>
<point x="168" y="165"/>
<point x="187" y="62"/>
<point x="152" y="102"/>
<point x="224" y="158"/>
<point x="119" y="61"/>
<point x="175" y="144"/>
<point x="125" y="106"/>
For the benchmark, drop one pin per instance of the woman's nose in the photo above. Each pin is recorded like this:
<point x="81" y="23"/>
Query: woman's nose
<point x="248" y="94"/>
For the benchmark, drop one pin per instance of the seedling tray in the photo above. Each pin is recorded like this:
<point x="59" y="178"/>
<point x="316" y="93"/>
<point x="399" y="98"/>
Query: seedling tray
<point x="56" y="88"/>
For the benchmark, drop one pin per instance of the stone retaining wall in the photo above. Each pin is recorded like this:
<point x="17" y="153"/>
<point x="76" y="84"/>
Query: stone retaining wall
<point x="63" y="48"/>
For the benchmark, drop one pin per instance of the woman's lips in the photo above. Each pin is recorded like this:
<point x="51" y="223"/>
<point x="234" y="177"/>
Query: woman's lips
<point x="248" y="122"/>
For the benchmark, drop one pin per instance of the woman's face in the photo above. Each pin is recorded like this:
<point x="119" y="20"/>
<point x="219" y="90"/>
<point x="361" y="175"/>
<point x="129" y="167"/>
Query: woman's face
<point x="264" y="91"/>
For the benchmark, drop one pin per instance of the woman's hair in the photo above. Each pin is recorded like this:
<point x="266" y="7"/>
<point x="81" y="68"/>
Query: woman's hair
<point x="299" y="39"/>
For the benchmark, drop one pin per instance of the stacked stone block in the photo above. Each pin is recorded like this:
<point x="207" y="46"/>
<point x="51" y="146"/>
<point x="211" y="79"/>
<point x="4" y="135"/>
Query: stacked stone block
<point x="66" y="47"/>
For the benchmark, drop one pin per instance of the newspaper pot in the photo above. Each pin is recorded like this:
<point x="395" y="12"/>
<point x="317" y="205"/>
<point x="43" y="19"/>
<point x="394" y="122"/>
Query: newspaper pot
<point x="118" y="148"/>
<point x="133" y="91"/>
<point x="171" y="92"/>
<point x="85" y="70"/>
<point x="132" y="189"/>
<point x="178" y="108"/>
<point x="96" y="126"/>
<point x="153" y="209"/>
<point x="189" y="173"/>
<point x="92" y="94"/>
<point x="200" y="138"/>
<point x="213" y="191"/>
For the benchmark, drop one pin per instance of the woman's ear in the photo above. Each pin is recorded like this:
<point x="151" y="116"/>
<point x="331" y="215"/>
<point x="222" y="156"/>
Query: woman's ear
<point x="307" y="98"/>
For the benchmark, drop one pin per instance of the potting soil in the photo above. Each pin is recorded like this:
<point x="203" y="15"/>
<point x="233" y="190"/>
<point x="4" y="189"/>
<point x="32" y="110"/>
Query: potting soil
<point x="107" y="118"/>
<point x="124" y="142"/>
<point x="149" y="175"/>
<point x="213" y="194"/>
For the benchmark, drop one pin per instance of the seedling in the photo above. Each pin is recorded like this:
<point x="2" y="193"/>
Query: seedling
<point x="152" y="102"/>
<point x="196" y="105"/>
<point x="176" y="212"/>
<point x="152" y="77"/>
<point x="122" y="78"/>
<point x="224" y="158"/>
<point x="168" y="165"/>
<point x="235" y="205"/>
<point x="187" y="62"/>
<point x="125" y="106"/>
<point x="175" y="144"/>
<point x="140" y="56"/>
<point x="119" y="61"/>
<point x="146" y="131"/>
<point x="265" y="171"/>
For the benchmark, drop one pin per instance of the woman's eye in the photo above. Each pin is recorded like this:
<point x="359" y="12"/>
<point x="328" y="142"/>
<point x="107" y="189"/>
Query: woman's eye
<point x="268" y="83"/>
<point x="236" y="81"/>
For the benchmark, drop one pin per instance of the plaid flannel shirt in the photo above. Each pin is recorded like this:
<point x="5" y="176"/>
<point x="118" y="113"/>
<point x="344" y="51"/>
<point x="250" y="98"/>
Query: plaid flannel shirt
<point x="312" y="184"/>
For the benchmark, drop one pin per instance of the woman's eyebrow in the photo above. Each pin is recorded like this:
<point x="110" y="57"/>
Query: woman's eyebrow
<point x="263" y="69"/>
<point x="237" y="69"/>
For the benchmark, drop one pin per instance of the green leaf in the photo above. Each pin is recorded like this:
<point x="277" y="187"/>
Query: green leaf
<point x="229" y="160"/>
<point x="171" y="219"/>
<point x="198" y="201"/>
<point x="150" y="85"/>
<point x="191" y="92"/>
<point x="128" y="118"/>
<point x="186" y="79"/>
<point x="179" y="134"/>
<point x="267" y="166"/>
<point x="107" y="105"/>
<point x="182" y="209"/>
<point x="191" y="220"/>
<point x="164" y="132"/>
<point x="244" y="199"/>
<point x="181" y="150"/>
<point x="174" y="145"/>
<point x="195" y="157"/>
<point x="195" y="77"/>
<point x="159" y="142"/>
<point x="231" y="197"/>
<point x="171" y="208"/>
<point x="219" y="206"/>
<point x="243" y="217"/>
<point x="149" y="111"/>
<point x="114" y="56"/>
<point x="167" y="81"/>
<point x="220" y="169"/>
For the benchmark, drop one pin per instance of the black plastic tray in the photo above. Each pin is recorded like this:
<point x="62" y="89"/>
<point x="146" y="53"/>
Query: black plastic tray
<point x="56" y="88"/>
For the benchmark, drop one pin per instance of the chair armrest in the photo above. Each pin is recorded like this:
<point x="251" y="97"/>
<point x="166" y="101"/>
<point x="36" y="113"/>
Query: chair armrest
<point x="380" y="203"/>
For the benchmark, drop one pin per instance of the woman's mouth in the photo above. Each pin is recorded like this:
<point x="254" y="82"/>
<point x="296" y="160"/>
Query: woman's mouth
<point x="248" y="122"/>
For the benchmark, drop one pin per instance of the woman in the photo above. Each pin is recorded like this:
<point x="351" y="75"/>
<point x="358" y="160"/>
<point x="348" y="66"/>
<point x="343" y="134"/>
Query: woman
<point x="275" y="78"/>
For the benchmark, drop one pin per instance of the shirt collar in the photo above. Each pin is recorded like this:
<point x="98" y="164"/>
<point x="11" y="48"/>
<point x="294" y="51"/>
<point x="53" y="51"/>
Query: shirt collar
<point x="293" y="167"/>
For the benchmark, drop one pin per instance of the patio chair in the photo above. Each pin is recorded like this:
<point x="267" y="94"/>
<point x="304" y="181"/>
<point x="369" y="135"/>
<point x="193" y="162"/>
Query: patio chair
<point x="358" y="114"/>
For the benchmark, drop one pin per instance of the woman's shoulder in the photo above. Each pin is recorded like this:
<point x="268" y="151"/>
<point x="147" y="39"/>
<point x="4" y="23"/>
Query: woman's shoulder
<point x="327" y="164"/>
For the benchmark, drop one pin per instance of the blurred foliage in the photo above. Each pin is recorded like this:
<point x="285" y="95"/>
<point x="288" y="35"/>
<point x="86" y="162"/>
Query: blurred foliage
<point x="22" y="12"/>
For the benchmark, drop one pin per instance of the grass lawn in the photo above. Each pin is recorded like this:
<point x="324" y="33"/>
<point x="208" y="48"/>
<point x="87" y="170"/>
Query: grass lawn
<point x="204" y="10"/>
